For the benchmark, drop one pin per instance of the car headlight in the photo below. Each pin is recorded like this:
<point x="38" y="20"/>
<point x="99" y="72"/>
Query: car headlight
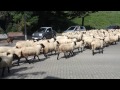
<point x="40" y="34"/>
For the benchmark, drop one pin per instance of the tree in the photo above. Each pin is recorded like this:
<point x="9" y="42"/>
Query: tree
<point x="4" y="20"/>
<point x="80" y="14"/>
<point x="18" y="19"/>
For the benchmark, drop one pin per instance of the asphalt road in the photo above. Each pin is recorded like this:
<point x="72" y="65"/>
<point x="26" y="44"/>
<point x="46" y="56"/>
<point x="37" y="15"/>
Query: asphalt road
<point x="81" y="66"/>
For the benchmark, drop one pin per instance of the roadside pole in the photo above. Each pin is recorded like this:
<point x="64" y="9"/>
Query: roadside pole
<point x="25" y="26"/>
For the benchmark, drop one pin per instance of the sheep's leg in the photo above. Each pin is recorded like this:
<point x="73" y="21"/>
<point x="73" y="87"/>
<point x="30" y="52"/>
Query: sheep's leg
<point x="8" y="70"/>
<point x="92" y="52"/>
<point x="81" y="49"/>
<point x="38" y="58"/>
<point x="51" y="52"/>
<point x="69" y="53"/>
<point x="18" y="61"/>
<point x="102" y="50"/>
<point x="55" y="52"/>
<point x="27" y="60"/>
<point x="3" y="70"/>
<point x="34" y="57"/>
<point x="45" y="55"/>
<point x="99" y="50"/>
<point x="66" y="56"/>
<point x="58" y="56"/>
<point x="73" y="53"/>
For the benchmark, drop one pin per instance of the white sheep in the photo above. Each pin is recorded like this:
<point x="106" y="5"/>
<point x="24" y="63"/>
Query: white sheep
<point x="5" y="61"/>
<point x="65" y="48"/>
<point x="80" y="45"/>
<point x="97" y="44"/>
<point x="4" y="49"/>
<point x="16" y="54"/>
<point x="32" y="51"/>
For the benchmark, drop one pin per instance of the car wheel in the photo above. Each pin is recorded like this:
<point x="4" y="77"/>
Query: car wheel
<point x="44" y="38"/>
<point x="54" y="36"/>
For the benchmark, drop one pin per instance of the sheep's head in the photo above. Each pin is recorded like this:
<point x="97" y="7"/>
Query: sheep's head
<point x="8" y="53"/>
<point x="43" y="46"/>
<point x="57" y="42"/>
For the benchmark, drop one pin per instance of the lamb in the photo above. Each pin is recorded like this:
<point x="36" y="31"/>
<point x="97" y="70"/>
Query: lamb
<point x="66" y="48"/>
<point x="6" y="61"/>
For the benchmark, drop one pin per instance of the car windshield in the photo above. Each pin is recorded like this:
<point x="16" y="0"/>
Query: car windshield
<point x="71" y="28"/>
<point x="41" y="30"/>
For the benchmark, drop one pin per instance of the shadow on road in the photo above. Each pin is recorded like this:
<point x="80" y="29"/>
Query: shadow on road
<point x="51" y="77"/>
<point x="14" y="73"/>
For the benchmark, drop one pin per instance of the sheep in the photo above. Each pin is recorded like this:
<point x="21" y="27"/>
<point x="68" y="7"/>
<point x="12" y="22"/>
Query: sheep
<point x="21" y="44"/>
<point x="10" y="39"/>
<point x="52" y="40"/>
<point x="17" y="54"/>
<point x="88" y="40"/>
<point x="29" y="51"/>
<point x="53" y="46"/>
<point x="66" y="48"/>
<point x="80" y="45"/>
<point x="6" y="61"/>
<point x="4" y="49"/>
<point x="113" y="38"/>
<point x="97" y="44"/>
<point x="63" y="41"/>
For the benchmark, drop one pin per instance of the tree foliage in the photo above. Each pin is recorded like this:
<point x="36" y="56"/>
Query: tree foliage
<point x="59" y="20"/>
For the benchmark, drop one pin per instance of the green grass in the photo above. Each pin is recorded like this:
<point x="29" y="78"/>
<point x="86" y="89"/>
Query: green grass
<point x="100" y="19"/>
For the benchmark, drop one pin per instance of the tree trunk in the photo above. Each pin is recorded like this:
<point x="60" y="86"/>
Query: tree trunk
<point x="82" y="21"/>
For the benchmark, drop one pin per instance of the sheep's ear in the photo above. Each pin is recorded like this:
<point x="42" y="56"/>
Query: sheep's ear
<point x="42" y="45"/>
<point x="57" y="42"/>
<point x="75" y="43"/>
<point x="48" y="40"/>
<point x="8" y="53"/>
<point x="0" y="59"/>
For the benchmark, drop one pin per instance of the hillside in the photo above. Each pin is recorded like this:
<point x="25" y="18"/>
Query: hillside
<point x="100" y="19"/>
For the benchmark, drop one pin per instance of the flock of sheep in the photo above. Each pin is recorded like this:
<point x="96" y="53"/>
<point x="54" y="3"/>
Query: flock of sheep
<point x="67" y="43"/>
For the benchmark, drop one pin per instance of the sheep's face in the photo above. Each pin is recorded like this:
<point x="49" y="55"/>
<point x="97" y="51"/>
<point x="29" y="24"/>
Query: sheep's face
<point x="42" y="48"/>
